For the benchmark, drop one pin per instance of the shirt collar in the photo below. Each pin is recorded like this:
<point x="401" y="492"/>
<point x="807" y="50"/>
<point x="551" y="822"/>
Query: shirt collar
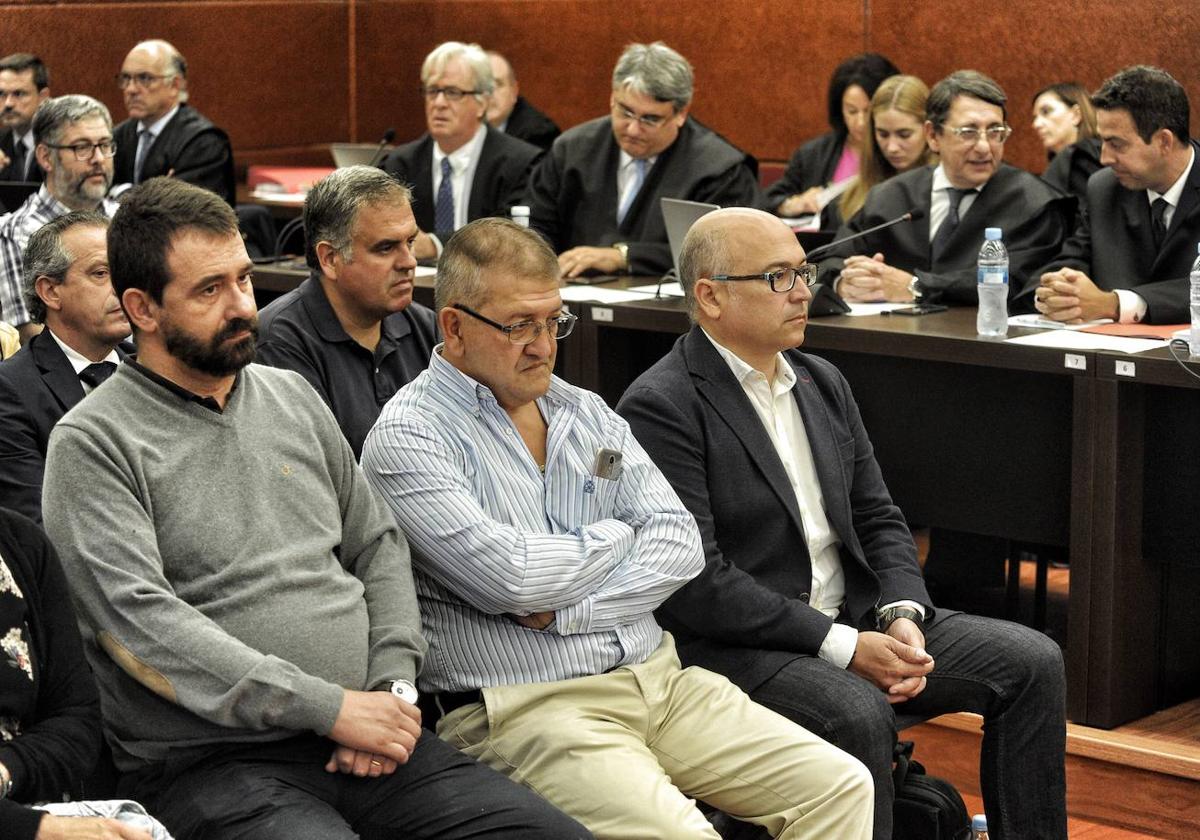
<point x="77" y="359"/>
<point x="329" y="328"/>
<point x="470" y="394"/>
<point x="157" y="127"/>
<point x="942" y="182"/>
<point x="461" y="157"/>
<point x="627" y="161"/>
<point x="1175" y="191"/>
<point x="181" y="392"/>
<point x="785" y="377"/>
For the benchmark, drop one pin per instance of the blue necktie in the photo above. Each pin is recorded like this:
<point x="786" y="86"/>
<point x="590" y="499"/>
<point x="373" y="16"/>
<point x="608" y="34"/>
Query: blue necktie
<point x="639" y="177"/>
<point x="145" y="141"/>
<point x="443" y="213"/>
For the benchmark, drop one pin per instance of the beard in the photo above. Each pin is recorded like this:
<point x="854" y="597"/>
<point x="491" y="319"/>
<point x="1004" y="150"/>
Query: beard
<point x="79" y="192"/>
<point x="214" y="357"/>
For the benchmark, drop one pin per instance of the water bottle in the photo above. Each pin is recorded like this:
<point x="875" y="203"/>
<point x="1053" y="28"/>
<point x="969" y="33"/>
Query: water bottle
<point x="992" y="319"/>
<point x="979" y="827"/>
<point x="520" y="215"/>
<point x="1194" y="335"/>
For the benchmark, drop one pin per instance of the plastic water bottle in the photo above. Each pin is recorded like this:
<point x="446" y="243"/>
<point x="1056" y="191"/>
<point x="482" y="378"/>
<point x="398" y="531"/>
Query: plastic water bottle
<point x="1194" y="335"/>
<point x="520" y="215"/>
<point x="992" y="319"/>
<point x="979" y="827"/>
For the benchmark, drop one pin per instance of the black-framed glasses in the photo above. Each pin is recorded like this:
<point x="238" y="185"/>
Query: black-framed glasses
<point x="970" y="134"/>
<point x="780" y="280"/>
<point x="527" y="332"/>
<point x="452" y="94"/>
<point x="84" y="150"/>
<point x="142" y="80"/>
<point x="653" y="122"/>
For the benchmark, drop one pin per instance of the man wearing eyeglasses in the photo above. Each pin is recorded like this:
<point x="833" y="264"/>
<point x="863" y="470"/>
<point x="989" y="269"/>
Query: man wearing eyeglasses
<point x="933" y="258"/>
<point x="75" y="148"/>
<point x="24" y="85"/>
<point x="461" y="169"/>
<point x="811" y="598"/>
<point x="164" y="135"/>
<point x="351" y="329"/>
<point x="595" y="196"/>
<point x="543" y="538"/>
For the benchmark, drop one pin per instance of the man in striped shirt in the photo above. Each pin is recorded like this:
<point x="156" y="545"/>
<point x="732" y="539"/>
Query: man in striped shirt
<point x="75" y="147"/>
<point x="543" y="538"/>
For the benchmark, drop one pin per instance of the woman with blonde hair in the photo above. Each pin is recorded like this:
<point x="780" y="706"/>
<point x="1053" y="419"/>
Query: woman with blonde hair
<point x="894" y="142"/>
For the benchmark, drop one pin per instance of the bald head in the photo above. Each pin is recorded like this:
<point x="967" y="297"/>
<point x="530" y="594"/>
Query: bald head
<point x="153" y="80"/>
<point x="722" y="240"/>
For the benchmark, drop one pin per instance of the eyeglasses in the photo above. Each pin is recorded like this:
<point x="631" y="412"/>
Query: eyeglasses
<point x="452" y="94"/>
<point x="970" y="135"/>
<point x="84" y="151"/>
<point x="649" y="121"/>
<point x="142" y="80"/>
<point x="781" y="280"/>
<point x="527" y="332"/>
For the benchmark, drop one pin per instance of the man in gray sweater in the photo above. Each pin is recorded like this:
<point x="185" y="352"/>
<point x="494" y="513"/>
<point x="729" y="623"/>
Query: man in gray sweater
<point x="246" y="600"/>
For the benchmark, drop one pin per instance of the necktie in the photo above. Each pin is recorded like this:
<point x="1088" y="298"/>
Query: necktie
<point x="634" y="187"/>
<point x="18" y="164"/>
<point x="96" y="374"/>
<point x="942" y="237"/>
<point x="145" y="141"/>
<point x="443" y="212"/>
<point x="1158" y="221"/>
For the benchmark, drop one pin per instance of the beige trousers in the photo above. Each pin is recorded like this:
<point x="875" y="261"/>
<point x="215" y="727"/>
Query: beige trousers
<point x="626" y="752"/>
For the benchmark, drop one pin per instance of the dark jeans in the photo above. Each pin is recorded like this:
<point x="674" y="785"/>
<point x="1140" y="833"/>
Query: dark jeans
<point x="280" y="791"/>
<point x="1011" y="675"/>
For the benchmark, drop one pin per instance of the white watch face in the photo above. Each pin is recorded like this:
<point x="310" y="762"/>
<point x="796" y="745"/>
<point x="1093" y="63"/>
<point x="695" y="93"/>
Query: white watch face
<point x="405" y="690"/>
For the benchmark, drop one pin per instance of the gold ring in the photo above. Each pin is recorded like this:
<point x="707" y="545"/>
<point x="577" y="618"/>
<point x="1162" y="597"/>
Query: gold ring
<point x="376" y="762"/>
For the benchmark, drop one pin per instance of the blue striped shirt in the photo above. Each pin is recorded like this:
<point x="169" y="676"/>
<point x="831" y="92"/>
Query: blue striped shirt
<point x="492" y="535"/>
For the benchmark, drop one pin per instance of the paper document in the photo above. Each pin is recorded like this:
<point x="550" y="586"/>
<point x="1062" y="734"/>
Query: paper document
<point x="874" y="308"/>
<point x="426" y="271"/>
<point x="1038" y="322"/>
<point x="1076" y="340"/>
<point x="601" y="294"/>
<point x="672" y="289"/>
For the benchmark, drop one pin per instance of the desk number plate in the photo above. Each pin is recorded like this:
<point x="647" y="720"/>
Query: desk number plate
<point x="1074" y="361"/>
<point x="1125" y="369"/>
<point x="602" y="313"/>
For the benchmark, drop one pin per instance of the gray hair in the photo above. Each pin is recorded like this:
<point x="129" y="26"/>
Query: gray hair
<point x="657" y="71"/>
<point x="175" y="65"/>
<point x="56" y="114"/>
<point x="331" y="208"/>
<point x="489" y="243"/>
<point x="962" y="83"/>
<point x="472" y="55"/>
<point x="705" y="252"/>
<point x="46" y="256"/>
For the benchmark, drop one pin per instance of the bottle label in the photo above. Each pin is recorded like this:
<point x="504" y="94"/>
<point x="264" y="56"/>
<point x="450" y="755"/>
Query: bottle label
<point x="993" y="276"/>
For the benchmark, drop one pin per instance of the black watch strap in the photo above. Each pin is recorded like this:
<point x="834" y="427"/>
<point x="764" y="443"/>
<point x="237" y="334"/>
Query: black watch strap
<point x="886" y="617"/>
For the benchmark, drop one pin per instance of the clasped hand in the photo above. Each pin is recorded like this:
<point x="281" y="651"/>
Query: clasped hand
<point x="375" y="732"/>
<point x="1071" y="296"/>
<point x="871" y="280"/>
<point x="896" y="661"/>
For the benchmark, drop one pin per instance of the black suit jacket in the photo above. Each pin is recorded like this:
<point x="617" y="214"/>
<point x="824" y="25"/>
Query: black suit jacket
<point x="9" y="172"/>
<point x="573" y="194"/>
<point x="189" y="145"/>
<point x="503" y="171"/>
<point x="1034" y="216"/>
<point x="747" y="613"/>
<point x="812" y="165"/>
<point x="531" y="125"/>
<point x="1114" y="246"/>
<point x="37" y="387"/>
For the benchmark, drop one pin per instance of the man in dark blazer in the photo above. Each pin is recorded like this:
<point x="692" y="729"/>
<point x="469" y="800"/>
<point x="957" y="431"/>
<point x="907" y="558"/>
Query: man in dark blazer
<point x="488" y="170"/>
<point x="164" y="135"/>
<point x="78" y="349"/>
<point x="24" y="85"/>
<point x="811" y="598"/>
<point x="1131" y="254"/>
<point x="595" y="196"/>
<point x="934" y="257"/>
<point x="511" y="112"/>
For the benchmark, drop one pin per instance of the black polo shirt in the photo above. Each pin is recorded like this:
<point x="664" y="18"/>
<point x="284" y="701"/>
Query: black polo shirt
<point x="299" y="331"/>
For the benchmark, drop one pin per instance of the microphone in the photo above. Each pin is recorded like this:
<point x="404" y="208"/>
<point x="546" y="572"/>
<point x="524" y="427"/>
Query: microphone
<point x="388" y="137"/>
<point x="910" y="216"/>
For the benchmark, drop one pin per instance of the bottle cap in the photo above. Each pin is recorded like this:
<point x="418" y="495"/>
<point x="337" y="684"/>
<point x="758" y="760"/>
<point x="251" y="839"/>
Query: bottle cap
<point x="1198" y="247"/>
<point x="519" y="210"/>
<point x="979" y="822"/>
<point x="992" y="233"/>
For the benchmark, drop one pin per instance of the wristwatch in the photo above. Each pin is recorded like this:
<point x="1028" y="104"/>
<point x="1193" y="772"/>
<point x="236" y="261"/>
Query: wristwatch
<point x="6" y="782"/>
<point x="915" y="289"/>
<point x="403" y="689"/>
<point x="886" y="617"/>
<point x="623" y="250"/>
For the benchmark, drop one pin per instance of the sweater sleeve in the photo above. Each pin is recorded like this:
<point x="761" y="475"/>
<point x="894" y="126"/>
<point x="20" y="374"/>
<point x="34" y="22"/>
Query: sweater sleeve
<point x="97" y="516"/>
<point x="60" y="745"/>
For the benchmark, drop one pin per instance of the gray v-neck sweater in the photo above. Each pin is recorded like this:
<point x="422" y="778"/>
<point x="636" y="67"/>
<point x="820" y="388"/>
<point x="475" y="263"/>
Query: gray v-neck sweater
<point x="232" y="571"/>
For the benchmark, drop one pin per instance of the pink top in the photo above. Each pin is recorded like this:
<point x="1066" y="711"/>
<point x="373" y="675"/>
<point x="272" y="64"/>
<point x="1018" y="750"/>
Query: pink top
<point x="847" y="166"/>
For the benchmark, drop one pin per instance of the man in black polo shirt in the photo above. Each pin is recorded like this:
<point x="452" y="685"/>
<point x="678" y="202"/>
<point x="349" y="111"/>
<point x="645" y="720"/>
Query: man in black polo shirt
<point x="351" y="329"/>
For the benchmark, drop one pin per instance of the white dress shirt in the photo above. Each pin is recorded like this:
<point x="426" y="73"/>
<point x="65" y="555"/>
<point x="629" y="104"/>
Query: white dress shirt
<point x="939" y="201"/>
<point x="627" y="175"/>
<point x="79" y="361"/>
<point x="463" y="162"/>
